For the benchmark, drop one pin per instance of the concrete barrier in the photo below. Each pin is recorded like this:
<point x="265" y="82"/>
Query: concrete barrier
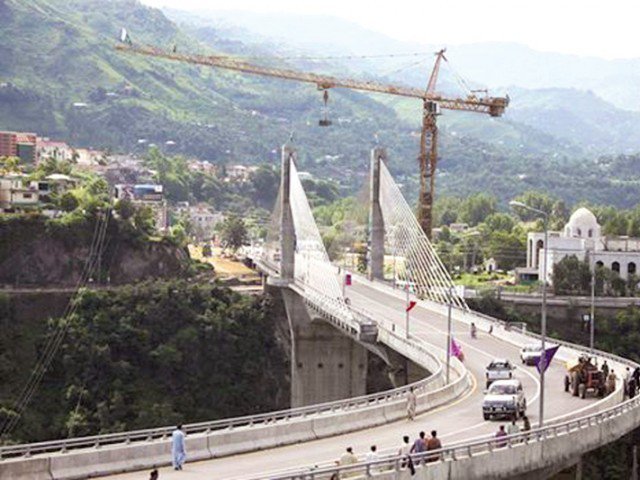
<point x="107" y="460"/>
<point x="25" y="469"/>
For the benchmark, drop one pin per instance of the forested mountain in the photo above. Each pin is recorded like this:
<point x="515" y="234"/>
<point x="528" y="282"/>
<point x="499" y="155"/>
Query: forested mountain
<point x="61" y="77"/>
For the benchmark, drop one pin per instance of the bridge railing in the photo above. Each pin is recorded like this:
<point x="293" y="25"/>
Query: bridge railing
<point x="459" y="451"/>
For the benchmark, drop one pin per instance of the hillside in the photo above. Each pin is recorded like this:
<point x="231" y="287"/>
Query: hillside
<point x="60" y="76"/>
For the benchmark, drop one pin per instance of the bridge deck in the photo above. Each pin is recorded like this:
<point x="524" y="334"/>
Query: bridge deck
<point x="459" y="420"/>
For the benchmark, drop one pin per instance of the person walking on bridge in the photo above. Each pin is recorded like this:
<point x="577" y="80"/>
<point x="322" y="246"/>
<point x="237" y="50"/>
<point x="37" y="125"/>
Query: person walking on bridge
<point x="419" y="445"/>
<point x="412" y="402"/>
<point x="605" y="369"/>
<point x="178" y="450"/>
<point x="611" y="382"/>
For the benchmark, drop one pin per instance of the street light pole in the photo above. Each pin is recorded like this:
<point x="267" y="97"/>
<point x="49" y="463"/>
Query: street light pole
<point x="449" y="335"/>
<point x="592" y="325"/>
<point x="543" y="320"/>
<point x="543" y="326"/>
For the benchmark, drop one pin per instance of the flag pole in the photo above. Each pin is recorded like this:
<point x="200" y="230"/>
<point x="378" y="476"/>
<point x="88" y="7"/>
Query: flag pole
<point x="407" y="309"/>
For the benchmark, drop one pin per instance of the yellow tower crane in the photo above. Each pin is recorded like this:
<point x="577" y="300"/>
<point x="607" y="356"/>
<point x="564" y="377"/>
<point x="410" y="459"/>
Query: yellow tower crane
<point x="431" y="101"/>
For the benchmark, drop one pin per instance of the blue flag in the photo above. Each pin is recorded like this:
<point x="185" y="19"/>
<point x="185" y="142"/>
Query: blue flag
<point x="546" y="358"/>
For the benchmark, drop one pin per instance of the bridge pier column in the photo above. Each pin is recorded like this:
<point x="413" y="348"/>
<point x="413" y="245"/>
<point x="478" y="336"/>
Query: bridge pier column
<point x="287" y="228"/>
<point x="326" y="365"/>
<point x="376" y="234"/>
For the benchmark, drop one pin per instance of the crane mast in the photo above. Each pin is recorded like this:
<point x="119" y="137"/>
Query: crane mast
<point x="431" y="101"/>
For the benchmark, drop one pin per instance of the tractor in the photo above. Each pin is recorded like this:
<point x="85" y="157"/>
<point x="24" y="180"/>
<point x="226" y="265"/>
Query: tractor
<point x="583" y="377"/>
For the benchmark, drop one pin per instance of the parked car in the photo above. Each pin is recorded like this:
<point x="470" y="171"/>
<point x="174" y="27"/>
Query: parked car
<point x="504" y="398"/>
<point x="530" y="353"/>
<point x="499" y="369"/>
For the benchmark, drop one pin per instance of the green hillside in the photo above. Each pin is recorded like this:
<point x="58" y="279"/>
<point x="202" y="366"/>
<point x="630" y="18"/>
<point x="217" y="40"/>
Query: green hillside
<point x="61" y="77"/>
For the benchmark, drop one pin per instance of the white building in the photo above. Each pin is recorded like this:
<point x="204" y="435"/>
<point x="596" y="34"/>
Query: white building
<point x="582" y="237"/>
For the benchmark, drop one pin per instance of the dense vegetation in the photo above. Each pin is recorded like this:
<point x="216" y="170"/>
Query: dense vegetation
<point x="146" y="355"/>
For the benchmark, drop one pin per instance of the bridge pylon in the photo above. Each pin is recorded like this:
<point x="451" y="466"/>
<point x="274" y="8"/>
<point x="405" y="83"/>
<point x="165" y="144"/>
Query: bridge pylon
<point x="287" y="227"/>
<point x="376" y="220"/>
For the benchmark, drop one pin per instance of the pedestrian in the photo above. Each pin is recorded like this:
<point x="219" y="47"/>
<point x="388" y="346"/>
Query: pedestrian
<point x="154" y="474"/>
<point x="605" y="369"/>
<point x="627" y="377"/>
<point x="419" y="445"/>
<point x="178" y="450"/>
<point x="490" y="329"/>
<point x="412" y="402"/>
<point x="433" y="444"/>
<point x="372" y="456"/>
<point x="526" y="424"/>
<point x="500" y="434"/>
<point x="348" y="458"/>
<point x="404" y="450"/>
<point x="611" y="382"/>
<point x="632" y="387"/>
<point x="636" y="376"/>
<point x="513" y="428"/>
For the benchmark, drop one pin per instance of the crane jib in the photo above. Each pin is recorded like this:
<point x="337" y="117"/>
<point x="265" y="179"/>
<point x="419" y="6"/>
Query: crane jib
<point x="493" y="106"/>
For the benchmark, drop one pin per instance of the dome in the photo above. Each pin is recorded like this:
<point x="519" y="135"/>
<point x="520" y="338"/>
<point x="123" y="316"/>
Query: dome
<point x="583" y="224"/>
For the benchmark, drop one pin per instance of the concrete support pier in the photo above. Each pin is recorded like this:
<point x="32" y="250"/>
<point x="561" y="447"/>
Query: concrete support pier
<point x="326" y="365"/>
<point x="376" y="260"/>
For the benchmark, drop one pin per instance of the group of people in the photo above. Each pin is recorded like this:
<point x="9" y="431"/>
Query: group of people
<point x="410" y="452"/>
<point x="511" y="429"/>
<point x="631" y="382"/>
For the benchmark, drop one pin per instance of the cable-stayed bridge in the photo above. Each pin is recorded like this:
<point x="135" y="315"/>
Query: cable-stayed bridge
<point x="334" y="325"/>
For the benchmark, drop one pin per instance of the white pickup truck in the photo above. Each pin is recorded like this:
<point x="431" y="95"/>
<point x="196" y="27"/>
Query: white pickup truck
<point x="499" y="369"/>
<point x="505" y="398"/>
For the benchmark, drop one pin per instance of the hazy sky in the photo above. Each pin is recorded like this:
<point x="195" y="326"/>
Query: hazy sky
<point x="606" y="29"/>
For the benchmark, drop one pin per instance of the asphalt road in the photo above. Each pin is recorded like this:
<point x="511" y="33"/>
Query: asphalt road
<point x="456" y="421"/>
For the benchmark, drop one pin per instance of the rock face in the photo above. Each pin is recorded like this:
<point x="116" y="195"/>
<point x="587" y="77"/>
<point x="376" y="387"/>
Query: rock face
<point x="35" y="252"/>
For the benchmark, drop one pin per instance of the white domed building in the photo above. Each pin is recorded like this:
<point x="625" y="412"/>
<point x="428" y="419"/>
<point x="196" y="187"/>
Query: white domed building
<point x="582" y="237"/>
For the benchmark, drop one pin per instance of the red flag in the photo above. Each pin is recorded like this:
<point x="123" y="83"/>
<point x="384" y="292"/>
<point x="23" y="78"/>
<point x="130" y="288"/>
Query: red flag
<point x="412" y="304"/>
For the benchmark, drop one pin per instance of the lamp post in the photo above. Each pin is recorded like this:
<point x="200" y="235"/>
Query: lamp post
<point x="543" y="320"/>
<point x="593" y="302"/>
<point x="449" y="333"/>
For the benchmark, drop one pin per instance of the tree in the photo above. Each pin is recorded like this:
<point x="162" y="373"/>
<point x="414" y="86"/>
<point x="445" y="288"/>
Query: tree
<point x="68" y="202"/>
<point x="144" y="220"/>
<point x="233" y="232"/>
<point x="476" y="208"/>
<point x="10" y="164"/>
<point x="571" y="276"/>
<point x="125" y="208"/>
<point x="537" y="200"/>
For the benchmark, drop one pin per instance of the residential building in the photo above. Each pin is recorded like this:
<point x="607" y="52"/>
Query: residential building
<point x="18" y="144"/>
<point x="47" y="148"/>
<point x="150" y="195"/>
<point x="582" y="237"/>
<point x="16" y="194"/>
<point x="204" y="220"/>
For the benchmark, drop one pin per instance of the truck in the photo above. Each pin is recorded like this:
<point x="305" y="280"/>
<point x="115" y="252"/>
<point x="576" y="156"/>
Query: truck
<point x="498" y="369"/>
<point x="583" y="377"/>
<point x="504" y="398"/>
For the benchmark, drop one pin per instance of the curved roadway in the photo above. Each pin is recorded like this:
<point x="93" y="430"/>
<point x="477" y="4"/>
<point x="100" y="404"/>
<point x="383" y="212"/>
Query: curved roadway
<point x="456" y="421"/>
